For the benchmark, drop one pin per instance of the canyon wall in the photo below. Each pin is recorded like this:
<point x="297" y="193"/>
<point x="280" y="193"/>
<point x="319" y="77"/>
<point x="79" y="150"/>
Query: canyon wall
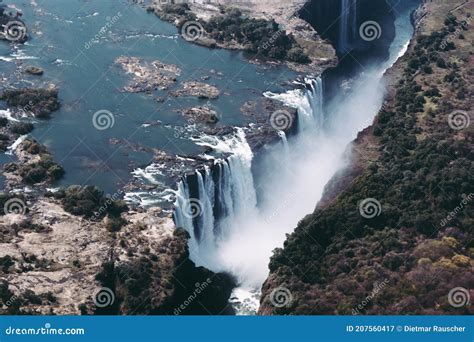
<point x="409" y="253"/>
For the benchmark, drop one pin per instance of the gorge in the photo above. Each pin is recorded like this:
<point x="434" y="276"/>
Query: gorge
<point x="246" y="204"/>
<point x="279" y="157"/>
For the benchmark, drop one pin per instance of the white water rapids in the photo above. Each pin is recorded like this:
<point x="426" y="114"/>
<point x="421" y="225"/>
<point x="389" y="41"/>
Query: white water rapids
<point x="232" y="231"/>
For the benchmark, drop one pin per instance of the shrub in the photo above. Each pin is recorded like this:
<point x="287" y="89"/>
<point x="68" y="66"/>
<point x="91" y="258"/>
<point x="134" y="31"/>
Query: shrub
<point x="296" y="54"/>
<point x="90" y="202"/>
<point x="21" y="128"/>
<point x="41" y="102"/>
<point x="35" y="175"/>
<point x="6" y="262"/>
<point x="418" y="182"/>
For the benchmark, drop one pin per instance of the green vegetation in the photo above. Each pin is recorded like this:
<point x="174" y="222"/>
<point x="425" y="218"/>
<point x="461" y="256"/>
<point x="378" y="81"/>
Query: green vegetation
<point x="41" y="102"/>
<point x="13" y="303"/>
<point x="21" y="128"/>
<point x="143" y="287"/>
<point x="335" y="257"/>
<point x="258" y="36"/>
<point x="91" y="203"/>
<point x="5" y="263"/>
<point x="38" y="170"/>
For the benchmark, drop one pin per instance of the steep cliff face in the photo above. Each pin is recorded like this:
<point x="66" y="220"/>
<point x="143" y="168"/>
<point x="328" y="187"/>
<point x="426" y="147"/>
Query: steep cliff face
<point x="341" y="21"/>
<point x="410" y="250"/>
<point x="360" y="30"/>
<point x="154" y="276"/>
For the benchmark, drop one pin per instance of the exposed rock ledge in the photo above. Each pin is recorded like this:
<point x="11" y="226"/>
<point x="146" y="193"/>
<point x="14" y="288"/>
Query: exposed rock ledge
<point x="53" y="262"/>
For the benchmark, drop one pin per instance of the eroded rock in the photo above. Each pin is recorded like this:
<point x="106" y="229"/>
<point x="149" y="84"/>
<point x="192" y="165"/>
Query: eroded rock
<point x="32" y="70"/>
<point x="147" y="76"/>
<point x="201" y="114"/>
<point x="197" y="89"/>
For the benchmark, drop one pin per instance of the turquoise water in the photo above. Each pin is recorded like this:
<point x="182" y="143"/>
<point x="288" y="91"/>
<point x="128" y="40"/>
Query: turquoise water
<point x="89" y="81"/>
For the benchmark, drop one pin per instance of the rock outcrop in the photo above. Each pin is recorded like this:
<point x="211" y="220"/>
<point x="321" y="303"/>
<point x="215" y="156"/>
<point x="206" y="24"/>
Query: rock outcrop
<point x="13" y="28"/>
<point x="32" y="70"/>
<point x="35" y="166"/>
<point x="147" y="76"/>
<point x="197" y="89"/>
<point x="40" y="102"/>
<point x="201" y="114"/>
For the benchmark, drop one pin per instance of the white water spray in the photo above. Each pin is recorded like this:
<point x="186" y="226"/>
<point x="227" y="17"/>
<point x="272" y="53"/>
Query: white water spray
<point x="223" y="194"/>
<point x="287" y="191"/>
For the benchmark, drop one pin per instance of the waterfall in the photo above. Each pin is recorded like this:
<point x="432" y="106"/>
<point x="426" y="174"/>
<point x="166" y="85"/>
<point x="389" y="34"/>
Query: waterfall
<point x="286" y="147"/>
<point x="208" y="203"/>
<point x="348" y="31"/>
<point x="344" y="26"/>
<point x="319" y="105"/>
<point x="183" y="215"/>
<point x="354" y="21"/>
<point x="206" y="198"/>
<point x="223" y="192"/>
<point x="243" y="237"/>
<point x="308" y="102"/>
<point x="225" y="205"/>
